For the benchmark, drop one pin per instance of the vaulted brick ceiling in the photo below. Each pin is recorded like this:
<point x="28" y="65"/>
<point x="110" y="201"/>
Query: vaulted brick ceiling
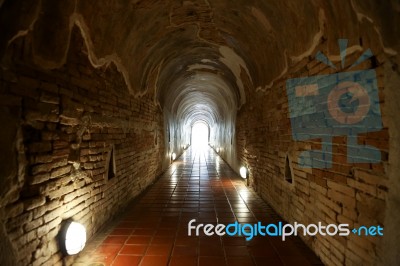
<point x="180" y="46"/>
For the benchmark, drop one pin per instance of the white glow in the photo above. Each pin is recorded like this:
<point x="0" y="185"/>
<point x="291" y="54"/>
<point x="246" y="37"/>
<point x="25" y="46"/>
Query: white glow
<point x="75" y="238"/>
<point x="173" y="156"/>
<point x="200" y="136"/>
<point x="243" y="172"/>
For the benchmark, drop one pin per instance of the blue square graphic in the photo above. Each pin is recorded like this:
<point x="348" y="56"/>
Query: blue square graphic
<point x="324" y="106"/>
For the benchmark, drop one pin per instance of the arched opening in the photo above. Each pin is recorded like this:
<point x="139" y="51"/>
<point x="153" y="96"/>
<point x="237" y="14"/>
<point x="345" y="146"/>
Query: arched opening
<point x="200" y="135"/>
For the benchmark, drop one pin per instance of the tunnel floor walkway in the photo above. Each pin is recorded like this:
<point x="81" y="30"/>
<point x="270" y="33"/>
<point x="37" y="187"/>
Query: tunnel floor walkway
<point x="198" y="185"/>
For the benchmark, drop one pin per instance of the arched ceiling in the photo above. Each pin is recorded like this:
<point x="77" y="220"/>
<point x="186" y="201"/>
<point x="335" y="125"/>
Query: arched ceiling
<point x="195" y="53"/>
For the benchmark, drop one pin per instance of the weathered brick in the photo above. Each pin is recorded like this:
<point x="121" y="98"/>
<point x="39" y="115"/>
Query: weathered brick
<point x="14" y="210"/>
<point x="33" y="224"/>
<point x="362" y="187"/>
<point x="34" y="202"/>
<point x="347" y="201"/>
<point x="47" y="227"/>
<point x="60" y="171"/>
<point x="341" y="188"/>
<point x="40" y="147"/>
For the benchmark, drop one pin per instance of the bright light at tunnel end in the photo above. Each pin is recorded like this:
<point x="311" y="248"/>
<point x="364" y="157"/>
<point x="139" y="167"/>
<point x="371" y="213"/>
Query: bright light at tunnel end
<point x="243" y="172"/>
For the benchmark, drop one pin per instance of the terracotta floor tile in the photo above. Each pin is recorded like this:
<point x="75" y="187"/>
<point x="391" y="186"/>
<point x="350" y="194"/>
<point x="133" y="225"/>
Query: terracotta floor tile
<point x="187" y="241"/>
<point x="233" y="241"/>
<point x="261" y="261"/>
<point x="105" y="253"/>
<point x="133" y="249"/>
<point x="183" y="261"/>
<point x="212" y="261"/>
<point x="115" y="240"/>
<point x="162" y="240"/>
<point x="184" y="251"/>
<point x="240" y="261"/>
<point x="236" y="251"/>
<point x="159" y="250"/>
<point x="295" y="260"/>
<point x="121" y="231"/>
<point x="165" y="232"/>
<point x="126" y="260"/>
<point x="143" y="232"/>
<point x="154" y="261"/>
<point x="202" y="188"/>
<point x="211" y="250"/>
<point x="126" y="224"/>
<point x="139" y="240"/>
<point x="260" y="251"/>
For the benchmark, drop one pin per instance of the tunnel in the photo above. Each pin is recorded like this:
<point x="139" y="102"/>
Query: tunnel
<point x="199" y="132"/>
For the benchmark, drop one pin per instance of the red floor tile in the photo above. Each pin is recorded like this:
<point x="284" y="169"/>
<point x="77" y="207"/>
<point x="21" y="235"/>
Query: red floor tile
<point x="260" y="251"/>
<point x="154" y="261"/>
<point x="126" y="224"/>
<point x="184" y="251"/>
<point x="212" y="261"/>
<point x="261" y="261"/>
<point x="133" y="249"/>
<point x="233" y="241"/>
<point x="126" y="260"/>
<point x="236" y="251"/>
<point x="105" y="253"/>
<point x="187" y="241"/>
<point x="160" y="250"/>
<point x="115" y="240"/>
<point x="139" y="240"/>
<point x="162" y="240"/>
<point x="183" y="261"/>
<point x="240" y="261"/>
<point x="155" y="229"/>
<point x="143" y="232"/>
<point x="121" y="231"/>
<point x="165" y="232"/>
<point x="211" y="250"/>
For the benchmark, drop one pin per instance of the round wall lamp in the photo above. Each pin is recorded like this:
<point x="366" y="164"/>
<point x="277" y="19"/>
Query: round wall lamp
<point x="173" y="156"/>
<point x="243" y="172"/>
<point x="72" y="237"/>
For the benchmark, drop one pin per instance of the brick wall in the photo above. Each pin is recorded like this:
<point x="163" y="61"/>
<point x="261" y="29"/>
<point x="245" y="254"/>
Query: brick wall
<point x="68" y="121"/>
<point x="345" y="193"/>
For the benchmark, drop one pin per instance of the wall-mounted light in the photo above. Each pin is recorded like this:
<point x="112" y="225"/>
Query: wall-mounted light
<point x="72" y="237"/>
<point x="173" y="156"/>
<point x="243" y="172"/>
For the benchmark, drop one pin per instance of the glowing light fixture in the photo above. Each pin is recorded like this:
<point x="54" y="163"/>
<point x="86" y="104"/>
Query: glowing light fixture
<point x="173" y="156"/>
<point x="72" y="238"/>
<point x="243" y="172"/>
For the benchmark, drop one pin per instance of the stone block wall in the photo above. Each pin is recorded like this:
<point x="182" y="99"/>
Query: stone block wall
<point x="83" y="146"/>
<point x="351" y="193"/>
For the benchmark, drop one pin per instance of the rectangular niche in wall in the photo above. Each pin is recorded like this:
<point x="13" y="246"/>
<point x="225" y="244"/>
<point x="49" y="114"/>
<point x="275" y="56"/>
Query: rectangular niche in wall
<point x="110" y="167"/>
<point x="288" y="171"/>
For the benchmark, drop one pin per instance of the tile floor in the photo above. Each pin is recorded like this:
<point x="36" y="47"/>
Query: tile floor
<point x="201" y="186"/>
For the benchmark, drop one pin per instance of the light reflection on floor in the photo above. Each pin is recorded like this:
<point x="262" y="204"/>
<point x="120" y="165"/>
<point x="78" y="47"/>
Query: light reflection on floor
<point x="199" y="185"/>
